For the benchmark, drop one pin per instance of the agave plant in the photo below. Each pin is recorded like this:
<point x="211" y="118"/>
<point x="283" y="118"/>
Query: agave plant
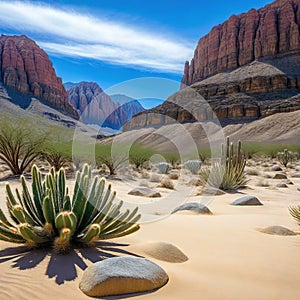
<point x="228" y="172"/>
<point x="295" y="212"/>
<point x="52" y="216"/>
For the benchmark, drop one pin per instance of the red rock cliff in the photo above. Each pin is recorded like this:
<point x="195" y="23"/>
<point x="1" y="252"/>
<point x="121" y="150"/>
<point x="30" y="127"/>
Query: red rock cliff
<point x="268" y="32"/>
<point x="25" y="67"/>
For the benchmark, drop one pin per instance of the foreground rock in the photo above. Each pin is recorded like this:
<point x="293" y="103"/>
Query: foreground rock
<point x="280" y="176"/>
<point x="163" y="251"/>
<point x="122" y="275"/>
<point x="209" y="190"/>
<point x="195" y="207"/>
<point x="247" y="201"/>
<point x="145" y="192"/>
<point x="278" y="230"/>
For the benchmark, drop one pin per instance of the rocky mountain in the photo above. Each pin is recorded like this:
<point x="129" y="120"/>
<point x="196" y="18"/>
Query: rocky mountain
<point x="96" y="107"/>
<point x="246" y="68"/>
<point x="25" y="68"/>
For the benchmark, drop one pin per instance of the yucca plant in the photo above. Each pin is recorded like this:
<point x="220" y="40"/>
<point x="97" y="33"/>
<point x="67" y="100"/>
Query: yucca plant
<point x="295" y="212"/>
<point x="228" y="172"/>
<point x="51" y="217"/>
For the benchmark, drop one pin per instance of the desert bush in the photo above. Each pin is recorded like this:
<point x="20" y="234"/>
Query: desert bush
<point x="112" y="161"/>
<point x="139" y="156"/>
<point x="166" y="183"/>
<point x="57" y="159"/>
<point x="172" y="158"/>
<point x="19" y="146"/>
<point x="286" y="157"/>
<point x="51" y="217"/>
<point x="193" y="166"/>
<point x="228" y="172"/>
<point x="163" y="167"/>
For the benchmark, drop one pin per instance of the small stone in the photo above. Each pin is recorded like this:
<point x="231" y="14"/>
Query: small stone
<point x="122" y="275"/>
<point x="276" y="168"/>
<point x="247" y="201"/>
<point x="280" y="176"/>
<point x="295" y="175"/>
<point x="278" y="230"/>
<point x="209" y="190"/>
<point x="145" y="192"/>
<point x="287" y="181"/>
<point x="195" y="207"/>
<point x="281" y="185"/>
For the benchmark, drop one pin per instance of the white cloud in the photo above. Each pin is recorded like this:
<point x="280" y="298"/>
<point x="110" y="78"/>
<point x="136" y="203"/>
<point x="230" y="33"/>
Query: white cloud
<point x="90" y="37"/>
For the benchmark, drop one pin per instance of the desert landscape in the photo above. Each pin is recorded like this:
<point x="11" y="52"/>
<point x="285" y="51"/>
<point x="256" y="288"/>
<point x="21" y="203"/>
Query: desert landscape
<point x="139" y="185"/>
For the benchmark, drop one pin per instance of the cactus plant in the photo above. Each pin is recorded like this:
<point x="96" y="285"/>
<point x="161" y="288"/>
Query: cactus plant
<point x="193" y="166"/>
<point x="228" y="172"/>
<point x="163" y="167"/>
<point x="286" y="156"/>
<point x="51" y="216"/>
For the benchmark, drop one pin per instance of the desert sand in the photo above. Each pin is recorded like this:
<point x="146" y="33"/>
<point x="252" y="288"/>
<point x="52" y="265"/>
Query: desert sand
<point x="228" y="257"/>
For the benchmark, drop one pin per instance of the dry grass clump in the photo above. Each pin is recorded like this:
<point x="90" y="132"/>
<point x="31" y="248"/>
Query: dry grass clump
<point x="252" y="172"/>
<point x="262" y="183"/>
<point x="166" y="183"/>
<point x="173" y="176"/>
<point x="155" y="177"/>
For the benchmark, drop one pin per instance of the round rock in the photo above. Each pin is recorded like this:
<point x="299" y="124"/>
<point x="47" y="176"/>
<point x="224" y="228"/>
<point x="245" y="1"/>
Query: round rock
<point x="195" y="207"/>
<point x="145" y="192"/>
<point x="122" y="275"/>
<point x="276" y="168"/>
<point x="280" y="176"/>
<point x="278" y="230"/>
<point x="247" y="201"/>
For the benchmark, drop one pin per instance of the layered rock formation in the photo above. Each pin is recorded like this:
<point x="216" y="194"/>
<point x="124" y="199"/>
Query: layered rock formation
<point x="26" y="68"/>
<point x="270" y="32"/>
<point x="96" y="107"/>
<point x="244" y="69"/>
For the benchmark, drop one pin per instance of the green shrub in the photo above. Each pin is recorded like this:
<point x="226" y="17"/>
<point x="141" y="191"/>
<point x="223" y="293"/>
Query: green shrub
<point x="51" y="217"/>
<point x="286" y="157"/>
<point x="19" y="146"/>
<point x="228" y="172"/>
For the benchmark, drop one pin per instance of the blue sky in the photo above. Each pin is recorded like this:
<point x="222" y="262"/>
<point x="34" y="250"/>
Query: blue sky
<point x="114" y="41"/>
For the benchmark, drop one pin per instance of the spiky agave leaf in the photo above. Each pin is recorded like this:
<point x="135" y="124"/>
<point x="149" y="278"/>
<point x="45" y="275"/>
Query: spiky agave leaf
<point x="50" y="215"/>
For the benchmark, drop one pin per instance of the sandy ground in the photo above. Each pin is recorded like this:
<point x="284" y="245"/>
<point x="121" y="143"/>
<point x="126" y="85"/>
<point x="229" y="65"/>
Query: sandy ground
<point x="228" y="257"/>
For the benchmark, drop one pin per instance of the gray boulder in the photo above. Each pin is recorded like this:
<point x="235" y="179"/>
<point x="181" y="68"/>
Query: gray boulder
<point x="281" y="185"/>
<point x="276" y="168"/>
<point x="195" y="207"/>
<point x="247" y="201"/>
<point x="145" y="192"/>
<point x="278" y="230"/>
<point x="122" y="275"/>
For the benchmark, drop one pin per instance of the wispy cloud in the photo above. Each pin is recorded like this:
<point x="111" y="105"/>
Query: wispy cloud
<point x="73" y="34"/>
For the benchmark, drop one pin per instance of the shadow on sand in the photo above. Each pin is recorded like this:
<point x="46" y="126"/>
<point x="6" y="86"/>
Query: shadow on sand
<point x="62" y="267"/>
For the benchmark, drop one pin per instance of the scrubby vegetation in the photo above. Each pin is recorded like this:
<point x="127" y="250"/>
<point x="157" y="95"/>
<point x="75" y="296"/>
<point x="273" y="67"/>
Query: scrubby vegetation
<point x="50" y="216"/>
<point x="286" y="157"/>
<point x="19" y="146"/>
<point x="227" y="173"/>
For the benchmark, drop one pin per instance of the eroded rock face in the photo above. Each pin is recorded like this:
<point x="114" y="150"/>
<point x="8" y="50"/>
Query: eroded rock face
<point x="244" y="69"/>
<point x="268" y="32"/>
<point x="25" y="67"/>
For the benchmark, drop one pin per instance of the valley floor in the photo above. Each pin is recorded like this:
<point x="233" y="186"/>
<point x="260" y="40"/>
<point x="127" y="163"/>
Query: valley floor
<point x="229" y="258"/>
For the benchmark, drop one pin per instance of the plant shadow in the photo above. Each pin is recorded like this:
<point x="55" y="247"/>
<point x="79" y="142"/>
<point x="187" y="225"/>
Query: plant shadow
<point x="62" y="267"/>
